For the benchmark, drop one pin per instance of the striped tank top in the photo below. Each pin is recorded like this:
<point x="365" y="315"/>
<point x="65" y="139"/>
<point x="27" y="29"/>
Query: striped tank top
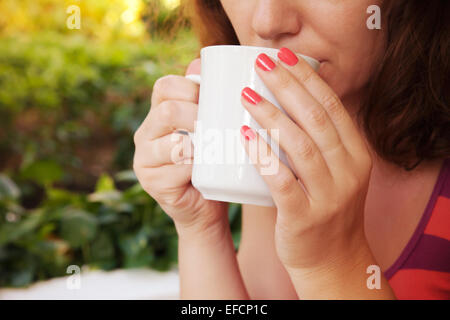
<point x="422" y="271"/>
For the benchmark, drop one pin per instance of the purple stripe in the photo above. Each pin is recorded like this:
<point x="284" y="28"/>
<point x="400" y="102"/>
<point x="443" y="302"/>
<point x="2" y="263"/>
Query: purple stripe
<point x="418" y="233"/>
<point x="431" y="253"/>
<point x="446" y="187"/>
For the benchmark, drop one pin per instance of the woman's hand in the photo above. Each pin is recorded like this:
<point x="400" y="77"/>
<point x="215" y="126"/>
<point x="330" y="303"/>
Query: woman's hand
<point x="321" y="201"/>
<point x="162" y="157"/>
<point x="205" y="247"/>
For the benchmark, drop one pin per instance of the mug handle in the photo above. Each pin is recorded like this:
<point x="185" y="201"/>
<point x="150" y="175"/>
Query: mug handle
<point x="197" y="79"/>
<point x="194" y="77"/>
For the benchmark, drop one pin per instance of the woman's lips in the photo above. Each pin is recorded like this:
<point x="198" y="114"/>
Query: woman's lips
<point x="305" y="53"/>
<point x="321" y="60"/>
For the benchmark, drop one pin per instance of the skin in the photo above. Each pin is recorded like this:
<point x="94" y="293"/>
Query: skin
<point x="354" y="210"/>
<point x="333" y="32"/>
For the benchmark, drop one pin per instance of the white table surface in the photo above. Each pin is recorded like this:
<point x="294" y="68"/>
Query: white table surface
<point x="94" y="285"/>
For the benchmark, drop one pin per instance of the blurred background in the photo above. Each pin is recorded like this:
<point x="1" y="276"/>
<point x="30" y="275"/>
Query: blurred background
<point x="70" y="101"/>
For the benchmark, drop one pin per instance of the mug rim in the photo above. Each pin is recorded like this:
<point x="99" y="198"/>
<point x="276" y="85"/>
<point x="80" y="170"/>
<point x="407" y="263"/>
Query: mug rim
<point x="257" y="48"/>
<point x="236" y="46"/>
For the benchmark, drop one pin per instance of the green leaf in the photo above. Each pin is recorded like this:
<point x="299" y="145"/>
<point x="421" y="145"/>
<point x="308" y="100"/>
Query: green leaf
<point x="22" y="277"/>
<point x="78" y="227"/>
<point x="10" y="232"/>
<point x="43" y="172"/>
<point x="104" y="183"/>
<point x="126" y="176"/>
<point x="60" y="195"/>
<point x="59" y="198"/>
<point x="48" y="249"/>
<point x="111" y="199"/>
<point x="8" y="189"/>
<point x="136" y="250"/>
<point x="105" y="196"/>
<point x="102" y="252"/>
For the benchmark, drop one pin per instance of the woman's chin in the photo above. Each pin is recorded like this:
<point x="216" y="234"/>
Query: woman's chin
<point x="326" y="73"/>
<point x="324" y="69"/>
<point x="331" y="77"/>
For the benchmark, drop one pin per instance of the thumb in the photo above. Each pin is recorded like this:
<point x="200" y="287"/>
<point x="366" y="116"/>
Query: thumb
<point x="194" y="67"/>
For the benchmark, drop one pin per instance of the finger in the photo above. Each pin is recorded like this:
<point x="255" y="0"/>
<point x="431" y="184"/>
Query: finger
<point x="306" y="159"/>
<point x="284" y="187"/>
<point x="167" y="117"/>
<point x="320" y="90"/>
<point x="164" y="178"/>
<point x="302" y="107"/>
<point x="194" y="67"/>
<point x="170" y="149"/>
<point x="174" y="87"/>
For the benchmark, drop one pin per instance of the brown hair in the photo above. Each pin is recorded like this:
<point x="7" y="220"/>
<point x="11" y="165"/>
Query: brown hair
<point x="406" y="112"/>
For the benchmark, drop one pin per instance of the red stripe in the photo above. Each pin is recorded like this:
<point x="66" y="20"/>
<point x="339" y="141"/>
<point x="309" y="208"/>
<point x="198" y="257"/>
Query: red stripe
<point x="439" y="224"/>
<point x="409" y="284"/>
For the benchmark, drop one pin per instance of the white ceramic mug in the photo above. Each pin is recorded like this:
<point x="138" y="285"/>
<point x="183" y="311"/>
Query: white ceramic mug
<point x="221" y="168"/>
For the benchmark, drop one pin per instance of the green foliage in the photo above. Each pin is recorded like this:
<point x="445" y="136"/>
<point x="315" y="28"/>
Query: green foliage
<point x="69" y="105"/>
<point x="107" y="229"/>
<point x="165" y="21"/>
<point x="70" y="102"/>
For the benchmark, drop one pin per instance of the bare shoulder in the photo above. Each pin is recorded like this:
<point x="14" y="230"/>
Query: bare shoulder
<point x="262" y="271"/>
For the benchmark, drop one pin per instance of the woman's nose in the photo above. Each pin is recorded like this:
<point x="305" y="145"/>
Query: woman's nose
<point x="273" y="18"/>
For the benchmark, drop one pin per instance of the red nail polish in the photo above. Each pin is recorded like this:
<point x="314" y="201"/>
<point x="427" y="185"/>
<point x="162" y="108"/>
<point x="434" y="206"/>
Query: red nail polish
<point x="264" y="62"/>
<point x="287" y="56"/>
<point x="248" y="133"/>
<point x="251" y="96"/>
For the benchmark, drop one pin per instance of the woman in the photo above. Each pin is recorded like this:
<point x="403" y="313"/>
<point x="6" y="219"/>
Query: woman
<point x="368" y="140"/>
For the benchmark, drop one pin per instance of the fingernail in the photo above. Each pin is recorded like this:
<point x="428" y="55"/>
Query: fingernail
<point x="287" y="56"/>
<point x="251" y="96"/>
<point x="248" y="133"/>
<point x="264" y="62"/>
